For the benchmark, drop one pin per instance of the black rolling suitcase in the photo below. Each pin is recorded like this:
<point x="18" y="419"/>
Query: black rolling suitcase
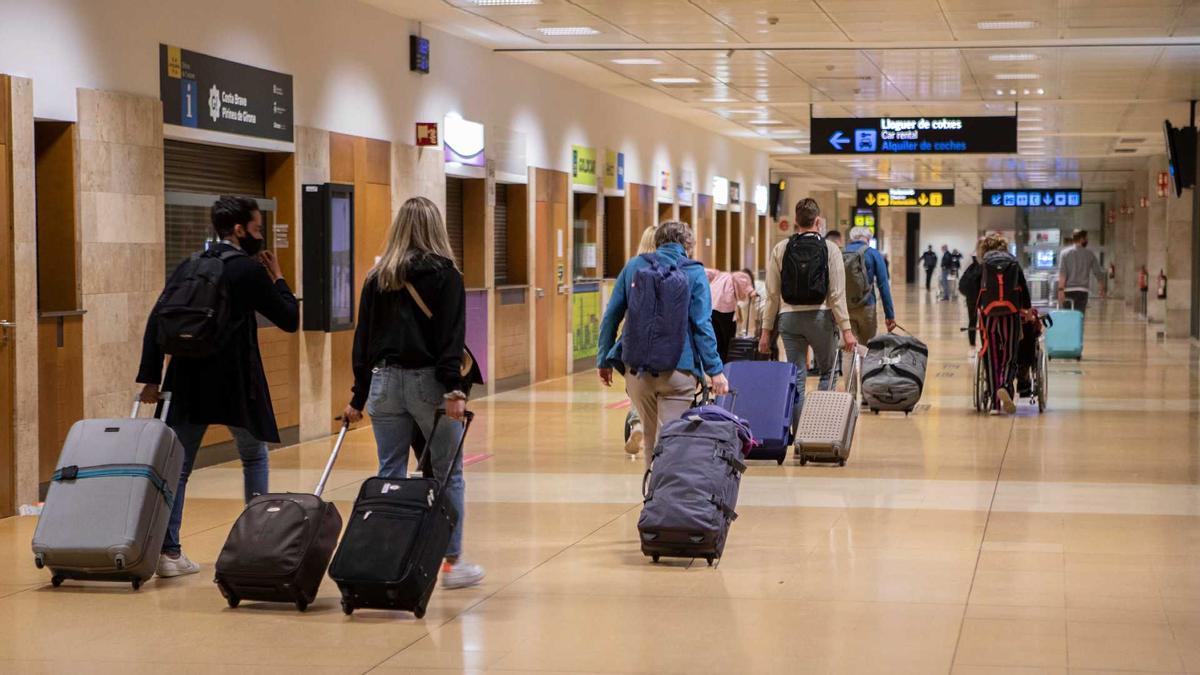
<point x="279" y="548"/>
<point x="397" y="536"/>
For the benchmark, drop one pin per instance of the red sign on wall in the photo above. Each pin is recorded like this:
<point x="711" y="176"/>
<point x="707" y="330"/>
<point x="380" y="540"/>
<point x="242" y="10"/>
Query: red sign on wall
<point x="427" y="133"/>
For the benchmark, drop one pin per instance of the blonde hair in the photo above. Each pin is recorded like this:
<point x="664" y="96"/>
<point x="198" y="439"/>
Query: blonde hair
<point x="416" y="232"/>
<point x="647" y="243"/>
<point x="992" y="242"/>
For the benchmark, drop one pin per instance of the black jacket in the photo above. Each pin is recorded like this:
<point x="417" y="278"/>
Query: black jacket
<point x="229" y="387"/>
<point x="393" y="330"/>
<point x="929" y="259"/>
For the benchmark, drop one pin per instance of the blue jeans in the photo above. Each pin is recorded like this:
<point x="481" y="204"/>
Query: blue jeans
<point x="254" y="471"/>
<point x="799" y="331"/>
<point x="399" y="399"/>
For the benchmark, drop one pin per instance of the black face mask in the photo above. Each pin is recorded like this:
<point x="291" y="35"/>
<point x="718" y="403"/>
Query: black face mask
<point x="250" y="244"/>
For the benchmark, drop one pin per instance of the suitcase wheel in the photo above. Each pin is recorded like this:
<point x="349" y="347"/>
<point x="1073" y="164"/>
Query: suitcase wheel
<point x="136" y="583"/>
<point x="233" y="601"/>
<point x="301" y="604"/>
<point x="841" y="462"/>
<point x="779" y="462"/>
<point x="803" y="460"/>
<point x="119" y="561"/>
<point x="654" y="557"/>
<point x="56" y="580"/>
<point x="419" y="613"/>
<point x="38" y="562"/>
<point x="347" y="607"/>
<point x="709" y="558"/>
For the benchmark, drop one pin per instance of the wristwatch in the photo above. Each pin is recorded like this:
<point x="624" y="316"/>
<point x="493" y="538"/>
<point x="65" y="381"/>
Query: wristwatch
<point x="456" y="395"/>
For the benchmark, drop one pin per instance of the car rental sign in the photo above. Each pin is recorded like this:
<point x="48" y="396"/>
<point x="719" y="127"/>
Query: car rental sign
<point x="913" y="135"/>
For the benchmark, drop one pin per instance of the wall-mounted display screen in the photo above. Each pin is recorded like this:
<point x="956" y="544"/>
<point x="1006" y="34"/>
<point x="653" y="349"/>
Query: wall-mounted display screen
<point x="328" y="211"/>
<point x="913" y="135"/>
<point x="418" y="54"/>
<point x="1033" y="198"/>
<point x="1050" y="237"/>
<point x="1045" y="259"/>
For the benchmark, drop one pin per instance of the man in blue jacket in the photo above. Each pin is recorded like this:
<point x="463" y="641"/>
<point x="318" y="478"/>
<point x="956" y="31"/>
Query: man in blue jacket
<point x="863" y="316"/>
<point x="662" y="397"/>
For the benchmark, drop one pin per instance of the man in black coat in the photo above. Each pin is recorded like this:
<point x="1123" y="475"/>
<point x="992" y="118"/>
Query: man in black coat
<point x="229" y="387"/>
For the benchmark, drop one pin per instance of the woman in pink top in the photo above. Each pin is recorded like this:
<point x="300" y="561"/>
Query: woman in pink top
<point x="728" y="289"/>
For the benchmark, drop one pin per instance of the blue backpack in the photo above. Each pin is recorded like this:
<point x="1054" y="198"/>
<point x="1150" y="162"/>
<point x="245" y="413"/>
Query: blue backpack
<point x="656" y="318"/>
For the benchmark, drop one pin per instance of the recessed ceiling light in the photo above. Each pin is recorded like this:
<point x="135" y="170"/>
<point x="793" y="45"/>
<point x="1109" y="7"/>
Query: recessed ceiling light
<point x="1016" y="76"/>
<point x="1012" y="92"/>
<point x="1006" y="25"/>
<point x="999" y="92"/>
<point x="1012" y="57"/>
<point x="567" y="31"/>
<point x="760" y="123"/>
<point x="637" y="62"/>
<point x="674" y="80"/>
<point x="1041" y="91"/>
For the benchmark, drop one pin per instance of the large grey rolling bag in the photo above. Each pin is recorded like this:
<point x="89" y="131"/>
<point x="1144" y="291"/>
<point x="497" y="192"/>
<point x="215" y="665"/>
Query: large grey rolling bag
<point x="826" y="428"/>
<point x="110" y="498"/>
<point x="893" y="373"/>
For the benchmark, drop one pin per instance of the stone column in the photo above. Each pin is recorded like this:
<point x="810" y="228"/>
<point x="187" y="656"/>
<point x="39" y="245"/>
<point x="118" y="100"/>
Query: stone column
<point x="316" y="347"/>
<point x="1156" y="246"/>
<point x="1178" y="310"/>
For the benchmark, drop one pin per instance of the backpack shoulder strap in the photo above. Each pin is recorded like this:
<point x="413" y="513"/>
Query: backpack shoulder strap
<point x="416" y="297"/>
<point x="232" y="253"/>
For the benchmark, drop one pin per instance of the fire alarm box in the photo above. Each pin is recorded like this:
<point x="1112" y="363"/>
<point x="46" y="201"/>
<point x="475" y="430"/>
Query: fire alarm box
<point x="328" y="211"/>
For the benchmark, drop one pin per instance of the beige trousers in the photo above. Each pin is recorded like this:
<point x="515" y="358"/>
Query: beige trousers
<point x="659" y="399"/>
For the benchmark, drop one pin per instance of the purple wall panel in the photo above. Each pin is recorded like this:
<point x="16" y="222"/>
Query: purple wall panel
<point x="477" y="328"/>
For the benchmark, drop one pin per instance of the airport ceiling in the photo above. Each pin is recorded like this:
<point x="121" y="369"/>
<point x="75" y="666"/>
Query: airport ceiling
<point x="1091" y="80"/>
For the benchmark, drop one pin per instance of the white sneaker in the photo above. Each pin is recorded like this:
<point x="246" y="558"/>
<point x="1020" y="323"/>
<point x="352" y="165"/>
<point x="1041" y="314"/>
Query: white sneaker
<point x="633" y="446"/>
<point x="461" y="575"/>
<point x="176" y="567"/>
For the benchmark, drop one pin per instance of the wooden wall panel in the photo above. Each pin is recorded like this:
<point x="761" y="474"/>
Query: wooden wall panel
<point x="518" y="233"/>
<point x="8" y="465"/>
<point x="705" y="230"/>
<point x="341" y="158"/>
<point x="60" y="390"/>
<point x="474" y="263"/>
<point x="720" y="258"/>
<point x="280" y="350"/>
<point x="57" y="216"/>
<point x="587" y="209"/>
<point x="641" y="213"/>
<point x="615" y="245"/>
<point x="553" y="310"/>
<point x="512" y="339"/>
<point x="544" y="282"/>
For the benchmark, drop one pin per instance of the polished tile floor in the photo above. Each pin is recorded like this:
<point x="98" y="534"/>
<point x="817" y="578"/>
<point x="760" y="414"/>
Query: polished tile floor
<point x="951" y="543"/>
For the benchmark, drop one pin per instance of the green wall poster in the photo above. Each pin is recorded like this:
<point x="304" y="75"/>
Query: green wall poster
<point x="585" y="323"/>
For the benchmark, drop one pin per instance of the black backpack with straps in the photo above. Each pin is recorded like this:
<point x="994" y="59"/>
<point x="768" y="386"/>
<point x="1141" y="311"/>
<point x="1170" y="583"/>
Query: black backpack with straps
<point x="805" y="270"/>
<point x="194" y="311"/>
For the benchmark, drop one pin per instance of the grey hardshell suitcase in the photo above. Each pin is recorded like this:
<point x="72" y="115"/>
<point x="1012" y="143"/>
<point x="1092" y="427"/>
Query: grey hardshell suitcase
<point x="109" y="501"/>
<point x="826" y="427"/>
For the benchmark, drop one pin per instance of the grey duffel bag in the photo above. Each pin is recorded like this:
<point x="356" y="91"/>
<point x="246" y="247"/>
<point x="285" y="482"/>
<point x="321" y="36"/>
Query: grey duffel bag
<point x="691" y="490"/>
<point x="894" y="372"/>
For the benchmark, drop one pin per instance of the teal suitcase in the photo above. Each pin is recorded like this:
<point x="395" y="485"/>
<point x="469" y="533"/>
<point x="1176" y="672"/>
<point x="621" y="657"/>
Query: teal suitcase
<point x="1064" y="338"/>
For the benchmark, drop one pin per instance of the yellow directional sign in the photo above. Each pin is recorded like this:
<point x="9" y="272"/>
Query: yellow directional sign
<point x="883" y="199"/>
<point x="906" y="197"/>
<point x="870" y="199"/>
<point x="935" y="199"/>
<point x="922" y="200"/>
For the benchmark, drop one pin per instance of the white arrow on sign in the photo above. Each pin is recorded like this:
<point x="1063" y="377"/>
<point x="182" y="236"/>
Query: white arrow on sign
<point x="838" y="140"/>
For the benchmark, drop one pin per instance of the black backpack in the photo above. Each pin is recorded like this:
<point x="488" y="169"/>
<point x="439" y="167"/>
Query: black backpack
<point x="194" y="310"/>
<point x="805" y="273"/>
<point x="999" y="287"/>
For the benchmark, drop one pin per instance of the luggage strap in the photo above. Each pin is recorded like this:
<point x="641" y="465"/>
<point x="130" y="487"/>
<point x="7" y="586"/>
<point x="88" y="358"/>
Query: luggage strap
<point x="723" y="508"/>
<point x="730" y="459"/>
<point x="73" y="472"/>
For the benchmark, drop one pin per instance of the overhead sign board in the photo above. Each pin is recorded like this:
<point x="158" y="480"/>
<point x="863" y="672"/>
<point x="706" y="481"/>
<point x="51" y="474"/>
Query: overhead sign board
<point x="913" y="135"/>
<point x="1055" y="197"/>
<point x="614" y="170"/>
<point x="908" y="197"/>
<point x="583" y="165"/>
<point x="463" y="141"/>
<point x="205" y="92"/>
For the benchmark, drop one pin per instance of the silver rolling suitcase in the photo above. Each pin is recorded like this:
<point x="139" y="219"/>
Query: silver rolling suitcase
<point x="110" y="497"/>
<point x="826" y="428"/>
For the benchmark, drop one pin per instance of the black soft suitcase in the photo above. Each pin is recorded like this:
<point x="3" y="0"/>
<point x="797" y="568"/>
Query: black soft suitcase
<point x="279" y="548"/>
<point x="397" y="536"/>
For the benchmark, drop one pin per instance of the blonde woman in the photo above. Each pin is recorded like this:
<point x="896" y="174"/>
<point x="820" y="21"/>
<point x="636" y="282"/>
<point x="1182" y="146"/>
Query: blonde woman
<point x="407" y="361"/>
<point x="647" y="243"/>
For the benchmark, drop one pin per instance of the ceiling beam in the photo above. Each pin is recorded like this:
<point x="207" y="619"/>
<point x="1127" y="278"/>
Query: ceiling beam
<point x="1014" y="43"/>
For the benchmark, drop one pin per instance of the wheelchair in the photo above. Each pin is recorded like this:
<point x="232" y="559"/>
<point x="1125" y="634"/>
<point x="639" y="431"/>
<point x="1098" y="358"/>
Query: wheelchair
<point x="1039" y="375"/>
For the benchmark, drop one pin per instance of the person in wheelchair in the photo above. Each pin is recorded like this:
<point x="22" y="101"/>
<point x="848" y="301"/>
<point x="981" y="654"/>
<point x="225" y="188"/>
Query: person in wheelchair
<point x="1027" y="351"/>
<point x="1004" y="304"/>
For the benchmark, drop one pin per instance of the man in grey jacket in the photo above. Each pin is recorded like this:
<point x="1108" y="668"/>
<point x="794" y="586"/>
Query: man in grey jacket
<point x="1074" y="270"/>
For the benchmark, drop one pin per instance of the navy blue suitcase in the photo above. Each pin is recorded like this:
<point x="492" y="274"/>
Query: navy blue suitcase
<point x="766" y="398"/>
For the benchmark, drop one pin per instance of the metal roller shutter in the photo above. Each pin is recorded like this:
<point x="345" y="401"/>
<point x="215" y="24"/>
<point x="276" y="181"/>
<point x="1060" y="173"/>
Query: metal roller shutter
<point x="501" y="222"/>
<point x="454" y="216"/>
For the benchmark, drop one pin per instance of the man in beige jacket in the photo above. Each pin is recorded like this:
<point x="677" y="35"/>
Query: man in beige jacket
<point x="807" y="325"/>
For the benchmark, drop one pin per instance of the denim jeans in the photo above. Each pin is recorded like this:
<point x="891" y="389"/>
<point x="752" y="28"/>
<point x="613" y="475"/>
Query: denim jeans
<point x="799" y="331"/>
<point x="254" y="471"/>
<point x="400" y="398"/>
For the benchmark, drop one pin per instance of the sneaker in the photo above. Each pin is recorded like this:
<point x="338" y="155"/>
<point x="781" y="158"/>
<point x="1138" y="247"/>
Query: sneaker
<point x="176" y="567"/>
<point x="1006" y="401"/>
<point x="633" y="446"/>
<point x="461" y="574"/>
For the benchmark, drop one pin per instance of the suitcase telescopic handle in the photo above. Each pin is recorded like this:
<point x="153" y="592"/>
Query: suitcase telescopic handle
<point x="164" y="398"/>
<point x="854" y="377"/>
<point x="429" y="442"/>
<point x="337" y="448"/>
